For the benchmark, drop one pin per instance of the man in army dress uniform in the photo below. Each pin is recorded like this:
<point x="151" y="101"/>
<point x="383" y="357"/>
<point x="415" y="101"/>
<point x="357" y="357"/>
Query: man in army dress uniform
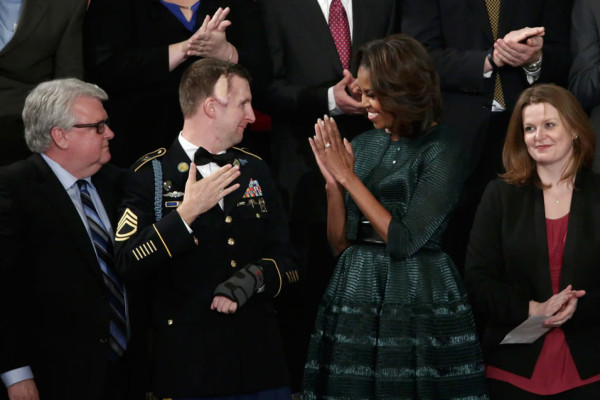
<point x="204" y="223"/>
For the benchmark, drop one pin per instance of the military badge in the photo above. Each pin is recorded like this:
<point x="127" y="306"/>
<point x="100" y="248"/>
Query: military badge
<point x="174" y="194"/>
<point x="127" y="226"/>
<point x="167" y="185"/>
<point x="253" y="190"/>
<point x="183" y="167"/>
<point x="172" y="204"/>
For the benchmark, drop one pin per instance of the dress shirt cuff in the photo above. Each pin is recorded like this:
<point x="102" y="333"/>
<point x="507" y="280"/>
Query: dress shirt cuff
<point x="16" y="375"/>
<point x="333" y="109"/>
<point x="532" y="77"/>
<point x="186" y="225"/>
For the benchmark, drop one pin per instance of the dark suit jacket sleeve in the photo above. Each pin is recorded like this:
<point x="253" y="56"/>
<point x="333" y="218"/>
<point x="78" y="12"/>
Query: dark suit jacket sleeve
<point x="555" y="19"/>
<point x="68" y="60"/>
<point x="501" y="300"/>
<point x="284" y="96"/>
<point x="459" y="70"/>
<point x="279" y="261"/>
<point x="13" y="342"/>
<point x="584" y="78"/>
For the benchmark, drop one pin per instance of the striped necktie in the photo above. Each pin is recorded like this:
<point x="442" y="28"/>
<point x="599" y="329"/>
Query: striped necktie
<point x="493" y="8"/>
<point x="119" y="326"/>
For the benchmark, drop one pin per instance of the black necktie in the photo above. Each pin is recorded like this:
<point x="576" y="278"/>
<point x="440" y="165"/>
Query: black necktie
<point x="202" y="157"/>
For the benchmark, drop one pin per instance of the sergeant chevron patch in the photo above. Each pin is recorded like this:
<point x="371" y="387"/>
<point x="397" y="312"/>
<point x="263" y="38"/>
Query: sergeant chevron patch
<point x="127" y="226"/>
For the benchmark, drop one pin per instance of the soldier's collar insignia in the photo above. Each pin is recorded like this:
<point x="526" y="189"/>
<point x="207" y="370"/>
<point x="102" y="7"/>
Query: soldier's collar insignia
<point x="240" y="161"/>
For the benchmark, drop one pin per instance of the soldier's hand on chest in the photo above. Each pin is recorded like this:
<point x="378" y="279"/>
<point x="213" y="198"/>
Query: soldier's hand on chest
<point x="202" y="195"/>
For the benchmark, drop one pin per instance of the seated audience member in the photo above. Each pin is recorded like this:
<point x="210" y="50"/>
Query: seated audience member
<point x="203" y="220"/>
<point x="65" y="324"/>
<point x="584" y="79"/>
<point x="534" y="252"/>
<point x="138" y="49"/>
<point x="39" y="40"/>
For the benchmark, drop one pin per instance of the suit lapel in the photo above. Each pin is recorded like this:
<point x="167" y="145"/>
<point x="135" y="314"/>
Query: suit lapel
<point x="31" y="14"/>
<point x="314" y="21"/>
<point x="56" y="196"/>
<point x="361" y="16"/>
<point x="575" y="230"/>
<point x="481" y="16"/>
<point x="507" y="12"/>
<point x="542" y="268"/>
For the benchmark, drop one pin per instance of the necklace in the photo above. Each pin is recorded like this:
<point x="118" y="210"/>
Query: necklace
<point x="185" y="7"/>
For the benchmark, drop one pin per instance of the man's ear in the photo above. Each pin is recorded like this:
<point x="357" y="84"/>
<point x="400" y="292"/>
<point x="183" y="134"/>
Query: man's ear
<point x="209" y="106"/>
<point x="59" y="137"/>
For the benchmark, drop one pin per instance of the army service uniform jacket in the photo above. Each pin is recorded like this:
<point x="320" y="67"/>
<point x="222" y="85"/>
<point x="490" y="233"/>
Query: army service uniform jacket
<point x="199" y="352"/>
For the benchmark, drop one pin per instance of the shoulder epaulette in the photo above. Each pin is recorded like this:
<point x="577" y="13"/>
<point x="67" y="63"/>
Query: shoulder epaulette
<point x="245" y="151"/>
<point x="148" y="157"/>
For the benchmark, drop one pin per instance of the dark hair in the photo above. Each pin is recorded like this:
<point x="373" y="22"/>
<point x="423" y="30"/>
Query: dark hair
<point x="404" y="81"/>
<point x="198" y="81"/>
<point x="520" y="167"/>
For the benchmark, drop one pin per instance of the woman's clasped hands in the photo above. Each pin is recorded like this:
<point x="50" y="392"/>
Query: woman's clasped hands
<point x="210" y="39"/>
<point x="559" y="308"/>
<point x="334" y="155"/>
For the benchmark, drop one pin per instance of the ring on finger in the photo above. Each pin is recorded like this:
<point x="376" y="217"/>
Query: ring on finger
<point x="221" y="190"/>
<point x="327" y="145"/>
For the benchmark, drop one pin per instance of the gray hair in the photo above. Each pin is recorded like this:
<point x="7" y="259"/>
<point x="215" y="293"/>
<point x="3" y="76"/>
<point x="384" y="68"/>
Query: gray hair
<point x="49" y="105"/>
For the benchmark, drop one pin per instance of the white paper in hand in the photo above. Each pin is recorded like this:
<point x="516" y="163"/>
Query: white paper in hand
<point x="527" y="332"/>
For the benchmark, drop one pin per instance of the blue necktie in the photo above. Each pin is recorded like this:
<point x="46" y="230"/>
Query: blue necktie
<point x="119" y="327"/>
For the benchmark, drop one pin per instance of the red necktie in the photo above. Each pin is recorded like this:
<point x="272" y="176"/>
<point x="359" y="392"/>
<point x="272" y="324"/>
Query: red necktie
<point x="340" y="31"/>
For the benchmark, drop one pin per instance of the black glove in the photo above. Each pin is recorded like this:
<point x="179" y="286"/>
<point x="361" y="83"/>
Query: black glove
<point x="242" y="285"/>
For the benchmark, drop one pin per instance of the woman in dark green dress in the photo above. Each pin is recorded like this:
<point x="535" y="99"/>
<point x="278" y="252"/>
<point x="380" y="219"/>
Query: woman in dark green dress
<point x="395" y="322"/>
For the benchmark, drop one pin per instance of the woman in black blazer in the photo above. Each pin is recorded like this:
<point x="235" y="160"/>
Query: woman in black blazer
<point x="535" y="251"/>
<point x="137" y="51"/>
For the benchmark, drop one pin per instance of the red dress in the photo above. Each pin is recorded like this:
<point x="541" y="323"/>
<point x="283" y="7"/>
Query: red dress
<point x="555" y="369"/>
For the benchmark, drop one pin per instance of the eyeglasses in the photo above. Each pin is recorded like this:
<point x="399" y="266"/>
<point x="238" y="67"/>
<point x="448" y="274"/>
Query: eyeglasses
<point x="98" y="125"/>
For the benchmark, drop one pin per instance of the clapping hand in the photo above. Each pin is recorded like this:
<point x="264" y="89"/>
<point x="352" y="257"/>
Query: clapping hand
<point x="210" y="40"/>
<point x="520" y="47"/>
<point x="334" y="155"/>
<point x="559" y="308"/>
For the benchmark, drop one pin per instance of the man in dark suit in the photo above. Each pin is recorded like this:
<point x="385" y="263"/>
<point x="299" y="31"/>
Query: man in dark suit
<point x="44" y="43"/>
<point x="57" y="338"/>
<point x="309" y="81"/>
<point x="204" y="222"/>
<point x="584" y="76"/>
<point x="476" y="45"/>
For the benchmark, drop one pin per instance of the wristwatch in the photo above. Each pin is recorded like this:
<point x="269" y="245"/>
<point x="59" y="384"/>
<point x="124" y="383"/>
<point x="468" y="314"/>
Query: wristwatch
<point x="534" y="66"/>
<point x="490" y="57"/>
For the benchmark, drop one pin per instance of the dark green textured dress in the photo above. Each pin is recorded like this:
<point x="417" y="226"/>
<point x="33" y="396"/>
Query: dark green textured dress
<point x="395" y="322"/>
